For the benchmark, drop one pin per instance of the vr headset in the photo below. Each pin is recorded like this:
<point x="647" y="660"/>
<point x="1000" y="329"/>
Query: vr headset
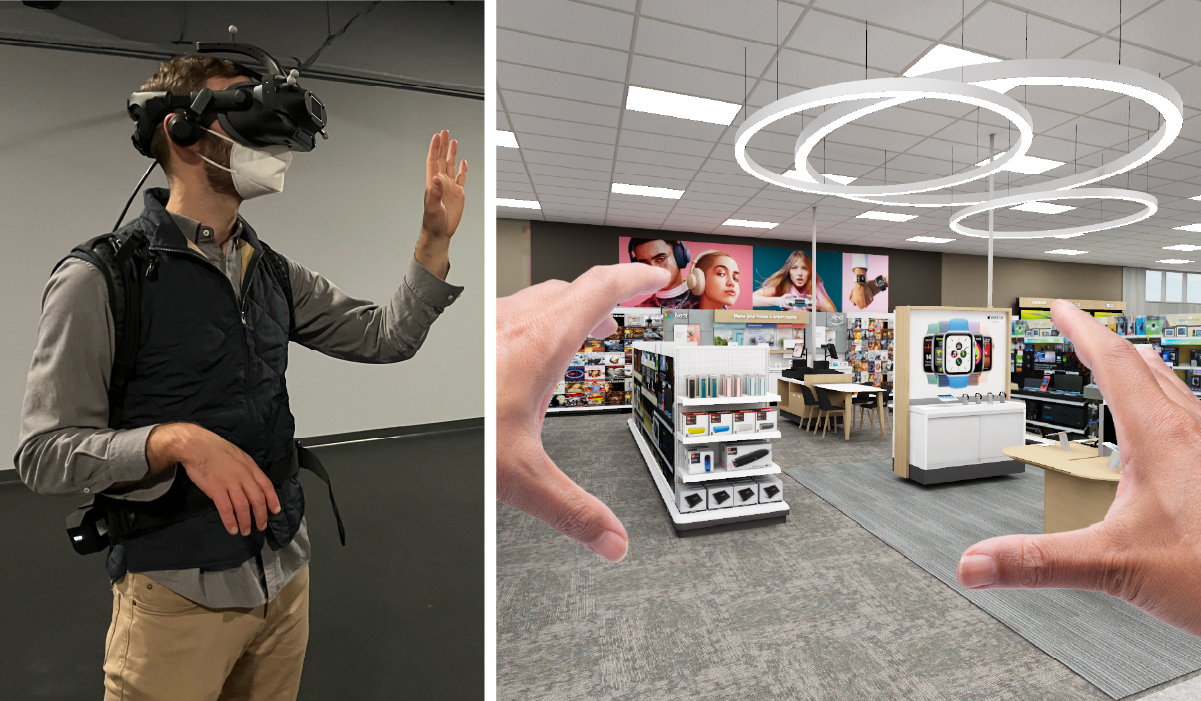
<point x="268" y="110"/>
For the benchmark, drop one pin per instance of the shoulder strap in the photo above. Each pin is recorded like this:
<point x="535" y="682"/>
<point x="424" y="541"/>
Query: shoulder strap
<point x="278" y="266"/>
<point x="118" y="257"/>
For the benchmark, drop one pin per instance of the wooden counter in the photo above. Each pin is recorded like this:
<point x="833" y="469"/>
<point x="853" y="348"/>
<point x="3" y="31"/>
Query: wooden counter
<point x="1079" y="486"/>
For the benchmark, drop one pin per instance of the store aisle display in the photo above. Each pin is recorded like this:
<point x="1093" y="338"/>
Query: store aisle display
<point x="870" y="350"/>
<point x="599" y="374"/>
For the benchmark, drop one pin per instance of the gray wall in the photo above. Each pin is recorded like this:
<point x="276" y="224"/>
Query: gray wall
<point x="965" y="280"/>
<point x="512" y="256"/>
<point x="351" y="210"/>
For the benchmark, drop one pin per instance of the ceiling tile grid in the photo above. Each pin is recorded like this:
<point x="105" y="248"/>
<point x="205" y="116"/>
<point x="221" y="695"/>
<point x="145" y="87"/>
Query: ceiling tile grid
<point x="564" y="67"/>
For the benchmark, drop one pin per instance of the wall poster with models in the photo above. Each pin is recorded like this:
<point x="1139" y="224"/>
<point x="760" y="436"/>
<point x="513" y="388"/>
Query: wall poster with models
<point x="703" y="275"/>
<point x="846" y="282"/>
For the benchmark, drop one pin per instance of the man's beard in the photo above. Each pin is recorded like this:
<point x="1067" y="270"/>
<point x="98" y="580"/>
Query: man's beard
<point x="218" y="150"/>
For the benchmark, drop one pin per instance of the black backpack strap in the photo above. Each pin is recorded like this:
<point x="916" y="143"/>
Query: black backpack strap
<point x="309" y="461"/>
<point x="119" y="258"/>
<point x="278" y="266"/>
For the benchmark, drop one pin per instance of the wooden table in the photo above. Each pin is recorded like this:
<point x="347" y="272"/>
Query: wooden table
<point x="848" y="390"/>
<point x="1079" y="487"/>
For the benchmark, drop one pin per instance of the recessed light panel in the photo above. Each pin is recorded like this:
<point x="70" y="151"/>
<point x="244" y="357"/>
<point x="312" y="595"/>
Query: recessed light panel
<point x="644" y="191"/>
<point x="1182" y="247"/>
<point x="1173" y="261"/>
<point x="670" y="104"/>
<point x="1067" y="252"/>
<point x="1198" y="197"/>
<point x="942" y="57"/>
<point x="750" y="224"/>
<point x="1042" y="207"/>
<point x="928" y="239"/>
<point x="887" y="216"/>
<point x="520" y="204"/>
<point x="1027" y="165"/>
<point x="506" y="139"/>
<point x="1189" y="227"/>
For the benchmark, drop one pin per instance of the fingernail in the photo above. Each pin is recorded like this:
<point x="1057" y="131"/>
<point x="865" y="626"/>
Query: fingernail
<point x="976" y="571"/>
<point x="611" y="546"/>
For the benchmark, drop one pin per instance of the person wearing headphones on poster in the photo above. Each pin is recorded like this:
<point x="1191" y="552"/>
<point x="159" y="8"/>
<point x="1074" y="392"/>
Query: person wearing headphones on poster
<point x="179" y="427"/>
<point x="672" y="256"/>
<point x="713" y="281"/>
<point x="1144" y="551"/>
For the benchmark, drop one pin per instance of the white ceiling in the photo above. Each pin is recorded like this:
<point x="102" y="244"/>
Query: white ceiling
<point x="564" y="67"/>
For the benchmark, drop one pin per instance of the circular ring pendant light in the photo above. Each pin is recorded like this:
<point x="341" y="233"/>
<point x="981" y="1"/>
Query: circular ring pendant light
<point x="881" y="94"/>
<point x="1150" y="205"/>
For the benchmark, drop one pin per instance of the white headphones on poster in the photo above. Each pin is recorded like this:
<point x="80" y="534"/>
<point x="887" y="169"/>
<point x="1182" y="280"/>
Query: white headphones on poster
<point x="696" y="276"/>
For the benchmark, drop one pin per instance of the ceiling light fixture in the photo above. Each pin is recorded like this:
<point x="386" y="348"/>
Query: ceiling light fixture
<point x="1042" y="207"/>
<point x="750" y="224"/>
<point x="887" y="216"/>
<point x="506" y="139"/>
<point x="644" y="191"/>
<point x="1187" y="247"/>
<point x="520" y="204"/>
<point x="1198" y="197"/>
<point x="1028" y="165"/>
<point x="1173" y="261"/>
<point x="928" y="239"/>
<point x="888" y="92"/>
<point x="1187" y="227"/>
<point x="1150" y="205"/>
<point x="942" y="57"/>
<point x="1066" y="252"/>
<point x="670" y="104"/>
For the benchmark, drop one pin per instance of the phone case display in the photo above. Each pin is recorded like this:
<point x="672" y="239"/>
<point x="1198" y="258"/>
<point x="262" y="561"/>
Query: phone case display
<point x="703" y="420"/>
<point x="870" y="351"/>
<point x="600" y="373"/>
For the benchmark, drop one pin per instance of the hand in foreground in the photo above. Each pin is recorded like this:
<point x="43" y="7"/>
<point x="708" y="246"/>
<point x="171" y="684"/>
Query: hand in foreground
<point x="1147" y="551"/>
<point x="538" y="331"/>
<point x="220" y="469"/>
<point x="444" y="190"/>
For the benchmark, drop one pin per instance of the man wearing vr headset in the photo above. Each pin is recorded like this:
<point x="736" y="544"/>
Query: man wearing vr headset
<point x="178" y="422"/>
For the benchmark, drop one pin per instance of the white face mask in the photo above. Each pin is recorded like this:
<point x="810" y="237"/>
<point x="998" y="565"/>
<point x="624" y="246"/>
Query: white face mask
<point x="255" y="171"/>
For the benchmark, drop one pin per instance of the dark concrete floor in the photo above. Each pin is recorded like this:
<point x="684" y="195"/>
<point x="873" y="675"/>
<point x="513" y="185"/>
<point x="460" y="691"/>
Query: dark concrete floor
<point x="398" y="612"/>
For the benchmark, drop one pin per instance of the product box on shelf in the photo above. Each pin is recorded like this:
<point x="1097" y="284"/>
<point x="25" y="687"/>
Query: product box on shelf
<point x="699" y="460"/>
<point x="721" y="423"/>
<point x="746" y="456"/>
<point x="743" y="421"/>
<point x="691" y="497"/>
<point x="1154" y="325"/>
<point x="746" y="492"/>
<point x="771" y="488"/>
<point x="720" y="496"/>
<point x="695" y="424"/>
<point x="765" y="420"/>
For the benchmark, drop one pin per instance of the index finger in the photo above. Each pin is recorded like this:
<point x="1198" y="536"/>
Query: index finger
<point x="431" y="160"/>
<point x="1118" y="369"/>
<point x="592" y="296"/>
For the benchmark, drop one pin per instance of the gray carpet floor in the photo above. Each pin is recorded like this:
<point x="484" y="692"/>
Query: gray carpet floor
<point x="815" y="608"/>
<point x="1115" y="646"/>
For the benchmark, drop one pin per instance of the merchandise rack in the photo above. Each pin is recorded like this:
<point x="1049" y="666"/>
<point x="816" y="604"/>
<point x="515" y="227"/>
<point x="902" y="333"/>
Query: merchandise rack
<point x="696" y="360"/>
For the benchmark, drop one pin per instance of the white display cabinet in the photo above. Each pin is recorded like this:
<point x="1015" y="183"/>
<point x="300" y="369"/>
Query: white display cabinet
<point x="658" y="411"/>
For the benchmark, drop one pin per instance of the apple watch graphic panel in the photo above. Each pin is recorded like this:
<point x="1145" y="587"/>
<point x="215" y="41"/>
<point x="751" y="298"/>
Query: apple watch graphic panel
<point x="959" y="353"/>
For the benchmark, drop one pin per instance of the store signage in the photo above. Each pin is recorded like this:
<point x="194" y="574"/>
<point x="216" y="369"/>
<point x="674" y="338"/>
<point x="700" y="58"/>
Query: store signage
<point x="836" y="320"/>
<point x="726" y="316"/>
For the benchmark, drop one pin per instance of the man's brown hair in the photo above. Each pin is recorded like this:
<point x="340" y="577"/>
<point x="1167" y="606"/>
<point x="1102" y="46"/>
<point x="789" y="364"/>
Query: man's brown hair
<point x="181" y="76"/>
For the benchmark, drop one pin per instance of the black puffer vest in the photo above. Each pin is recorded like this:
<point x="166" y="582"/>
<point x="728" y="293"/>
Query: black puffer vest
<point x="206" y="357"/>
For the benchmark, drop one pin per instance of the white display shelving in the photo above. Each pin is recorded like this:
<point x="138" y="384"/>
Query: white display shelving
<point x="727" y="438"/>
<point x="590" y="407"/>
<point x="700" y="360"/>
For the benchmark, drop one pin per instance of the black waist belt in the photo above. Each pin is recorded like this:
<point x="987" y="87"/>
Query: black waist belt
<point x="130" y="519"/>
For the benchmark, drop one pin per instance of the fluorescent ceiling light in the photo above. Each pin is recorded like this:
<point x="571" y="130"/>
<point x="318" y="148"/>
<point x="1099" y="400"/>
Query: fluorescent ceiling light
<point x="506" y="139"/>
<point x="887" y="216"/>
<point x="1198" y="197"/>
<point x="750" y="224"/>
<point x="1182" y="247"/>
<point x="929" y="239"/>
<point x="1188" y="227"/>
<point x="520" y="204"/>
<point x="1042" y="208"/>
<point x="1173" y="261"/>
<point x="643" y="190"/>
<point x="670" y="104"/>
<point x="1067" y="252"/>
<point x="942" y="57"/>
<point x="1027" y="165"/>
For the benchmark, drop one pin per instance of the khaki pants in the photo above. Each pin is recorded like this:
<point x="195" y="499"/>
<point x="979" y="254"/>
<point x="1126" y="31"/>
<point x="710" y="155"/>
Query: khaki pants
<point x="163" y="647"/>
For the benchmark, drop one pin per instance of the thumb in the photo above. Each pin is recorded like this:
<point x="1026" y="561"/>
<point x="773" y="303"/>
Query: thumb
<point x="1072" y="560"/>
<point x="544" y="492"/>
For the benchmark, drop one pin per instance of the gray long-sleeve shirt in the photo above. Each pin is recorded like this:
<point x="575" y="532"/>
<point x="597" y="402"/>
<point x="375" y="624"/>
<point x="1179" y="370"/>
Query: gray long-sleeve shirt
<point x="66" y="447"/>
